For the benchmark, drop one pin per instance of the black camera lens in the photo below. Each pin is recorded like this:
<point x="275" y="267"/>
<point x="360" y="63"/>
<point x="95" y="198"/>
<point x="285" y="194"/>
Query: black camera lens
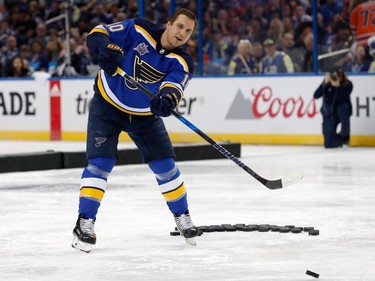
<point x="334" y="76"/>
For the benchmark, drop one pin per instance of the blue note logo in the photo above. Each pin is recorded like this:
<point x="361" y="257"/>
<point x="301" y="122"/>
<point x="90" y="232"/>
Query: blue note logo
<point x="99" y="141"/>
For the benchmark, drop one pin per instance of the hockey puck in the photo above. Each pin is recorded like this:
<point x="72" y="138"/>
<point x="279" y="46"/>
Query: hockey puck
<point x="219" y="228"/>
<point x="284" y="229"/>
<point x="253" y="227"/>
<point x="308" y="228"/>
<point x="275" y="228"/>
<point x="314" y="232"/>
<point x="215" y="227"/>
<point x="230" y="228"/>
<point x="239" y="226"/>
<point x="296" y="230"/>
<point x="204" y="228"/>
<point x="226" y="224"/>
<point x="313" y="274"/>
<point x="264" y="225"/>
<point x="264" y="228"/>
<point x="174" y="233"/>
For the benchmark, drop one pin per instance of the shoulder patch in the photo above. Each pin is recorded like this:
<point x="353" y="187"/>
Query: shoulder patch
<point x="141" y="49"/>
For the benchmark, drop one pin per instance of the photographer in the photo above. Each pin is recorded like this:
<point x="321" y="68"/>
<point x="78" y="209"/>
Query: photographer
<point x="336" y="108"/>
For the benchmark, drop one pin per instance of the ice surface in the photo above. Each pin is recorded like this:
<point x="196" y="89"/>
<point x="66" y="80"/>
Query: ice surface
<point x="337" y="196"/>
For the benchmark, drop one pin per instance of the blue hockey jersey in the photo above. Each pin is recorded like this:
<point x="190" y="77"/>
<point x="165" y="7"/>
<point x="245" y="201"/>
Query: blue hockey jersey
<point x="145" y="60"/>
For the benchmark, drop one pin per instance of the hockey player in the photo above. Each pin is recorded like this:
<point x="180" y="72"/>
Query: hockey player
<point x="153" y="57"/>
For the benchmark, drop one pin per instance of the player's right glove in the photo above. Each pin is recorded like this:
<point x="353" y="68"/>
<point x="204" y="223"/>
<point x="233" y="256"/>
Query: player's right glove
<point x="110" y="57"/>
<point x="162" y="103"/>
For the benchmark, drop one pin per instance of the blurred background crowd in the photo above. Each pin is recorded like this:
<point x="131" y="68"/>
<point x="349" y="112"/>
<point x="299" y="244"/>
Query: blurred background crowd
<point x="235" y="37"/>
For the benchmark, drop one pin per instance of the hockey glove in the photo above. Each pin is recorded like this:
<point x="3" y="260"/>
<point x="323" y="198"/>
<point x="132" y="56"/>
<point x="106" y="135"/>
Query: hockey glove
<point x="162" y="103"/>
<point x="110" y="57"/>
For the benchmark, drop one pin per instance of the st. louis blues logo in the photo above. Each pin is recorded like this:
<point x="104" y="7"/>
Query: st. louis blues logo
<point x="99" y="141"/>
<point x="141" y="49"/>
<point x="144" y="73"/>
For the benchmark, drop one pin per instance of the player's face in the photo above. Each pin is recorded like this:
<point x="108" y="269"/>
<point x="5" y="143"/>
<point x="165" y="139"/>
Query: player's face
<point x="179" y="32"/>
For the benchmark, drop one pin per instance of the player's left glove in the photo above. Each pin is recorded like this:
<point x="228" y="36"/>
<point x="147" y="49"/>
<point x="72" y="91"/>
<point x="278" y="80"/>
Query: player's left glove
<point x="110" y="57"/>
<point x="162" y="103"/>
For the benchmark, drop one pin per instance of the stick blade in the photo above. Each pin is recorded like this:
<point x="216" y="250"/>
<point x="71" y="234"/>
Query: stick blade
<point x="284" y="182"/>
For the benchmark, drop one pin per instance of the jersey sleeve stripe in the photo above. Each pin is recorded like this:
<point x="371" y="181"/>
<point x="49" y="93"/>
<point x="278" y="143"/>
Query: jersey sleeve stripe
<point x="100" y="29"/>
<point x="172" y="85"/>
<point x="146" y="35"/>
<point x="175" y="91"/>
<point x="110" y="97"/>
<point x="180" y="60"/>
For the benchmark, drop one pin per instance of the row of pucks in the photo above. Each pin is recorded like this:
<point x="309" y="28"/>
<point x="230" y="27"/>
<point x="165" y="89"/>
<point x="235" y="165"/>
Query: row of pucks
<point x="255" y="227"/>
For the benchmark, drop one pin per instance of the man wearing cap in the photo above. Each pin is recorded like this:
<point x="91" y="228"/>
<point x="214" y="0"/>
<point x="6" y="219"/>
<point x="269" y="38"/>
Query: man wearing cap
<point x="275" y="61"/>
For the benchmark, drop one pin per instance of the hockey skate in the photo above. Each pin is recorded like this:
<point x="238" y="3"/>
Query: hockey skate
<point x="186" y="227"/>
<point x="84" y="234"/>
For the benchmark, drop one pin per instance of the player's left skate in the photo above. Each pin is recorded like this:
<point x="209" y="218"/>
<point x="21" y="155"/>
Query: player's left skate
<point x="84" y="234"/>
<point x="186" y="227"/>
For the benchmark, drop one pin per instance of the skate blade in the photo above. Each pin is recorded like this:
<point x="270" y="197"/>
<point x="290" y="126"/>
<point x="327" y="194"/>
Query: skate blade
<point x="84" y="247"/>
<point x="191" y="241"/>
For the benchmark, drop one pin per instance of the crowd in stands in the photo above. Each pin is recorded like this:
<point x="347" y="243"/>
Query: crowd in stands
<point x="277" y="35"/>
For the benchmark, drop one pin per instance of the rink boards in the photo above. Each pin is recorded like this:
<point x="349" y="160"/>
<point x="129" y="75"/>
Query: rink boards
<point x="249" y="110"/>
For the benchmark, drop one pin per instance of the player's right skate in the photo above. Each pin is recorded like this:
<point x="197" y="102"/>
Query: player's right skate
<point x="186" y="227"/>
<point x="84" y="234"/>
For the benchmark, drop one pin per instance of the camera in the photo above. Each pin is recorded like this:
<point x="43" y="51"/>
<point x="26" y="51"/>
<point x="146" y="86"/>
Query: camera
<point x="334" y="76"/>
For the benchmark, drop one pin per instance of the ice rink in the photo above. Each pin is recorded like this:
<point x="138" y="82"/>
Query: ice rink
<point x="38" y="211"/>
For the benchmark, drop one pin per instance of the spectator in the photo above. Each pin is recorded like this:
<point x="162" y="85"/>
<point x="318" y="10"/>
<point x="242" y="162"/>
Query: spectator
<point x="342" y="38"/>
<point x="296" y="54"/>
<point x="5" y="31"/>
<point x="275" y="61"/>
<point x="371" y="45"/>
<point x="275" y="32"/>
<point x="288" y="24"/>
<point x="23" y="25"/>
<point x="41" y="34"/>
<point x="217" y="63"/>
<point x="80" y="58"/>
<point x="300" y="16"/>
<point x="362" y="19"/>
<point x="360" y="62"/>
<point x="329" y="10"/>
<point x="53" y="49"/>
<point x="38" y="60"/>
<point x="36" y="11"/>
<point x="25" y="52"/>
<point x="242" y="62"/>
<point x="257" y="56"/>
<point x="221" y="23"/>
<point x="18" y="68"/>
<point x="100" y="16"/>
<point x="336" y="108"/>
<point x="302" y="30"/>
<point x="9" y="51"/>
<point x="56" y="9"/>
<point x="257" y="12"/>
<point x="257" y="32"/>
<point x="287" y="11"/>
<point x="273" y="10"/>
<point x="308" y="65"/>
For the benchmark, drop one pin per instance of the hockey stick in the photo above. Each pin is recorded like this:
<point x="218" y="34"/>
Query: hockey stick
<point x="271" y="184"/>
